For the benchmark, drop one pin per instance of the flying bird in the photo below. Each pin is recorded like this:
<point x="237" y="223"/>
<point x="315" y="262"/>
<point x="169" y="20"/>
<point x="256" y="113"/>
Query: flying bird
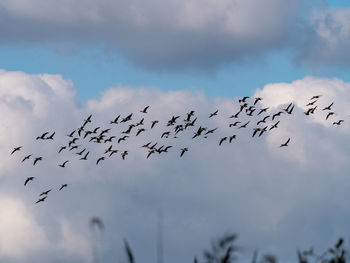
<point x="16" y="149"/>
<point x="183" y="150"/>
<point x="63" y="164"/>
<point x="328" y="107"/>
<point x="46" y="192"/>
<point x="145" y="109"/>
<point x="41" y="199"/>
<point x="62" y="186"/>
<point x="31" y="178"/>
<point x="285" y="144"/>
<point x="26" y="157"/>
<point x="154" y="123"/>
<point x="222" y="140"/>
<point x="115" y="121"/>
<point x="99" y="160"/>
<point x="37" y="159"/>
<point x="214" y="113"/>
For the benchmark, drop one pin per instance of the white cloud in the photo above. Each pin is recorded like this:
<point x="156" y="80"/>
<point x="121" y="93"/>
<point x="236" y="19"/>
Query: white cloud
<point x="266" y="193"/>
<point x="21" y="235"/>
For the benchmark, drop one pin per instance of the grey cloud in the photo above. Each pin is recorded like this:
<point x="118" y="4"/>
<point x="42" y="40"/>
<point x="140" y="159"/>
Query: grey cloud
<point x="169" y="35"/>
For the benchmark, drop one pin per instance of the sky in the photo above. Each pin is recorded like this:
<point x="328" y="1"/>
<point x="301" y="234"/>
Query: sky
<point x="62" y="61"/>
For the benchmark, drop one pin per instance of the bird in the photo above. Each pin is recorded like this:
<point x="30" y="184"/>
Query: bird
<point x="311" y="103"/>
<point x="235" y="115"/>
<point x="62" y="148"/>
<point x="234" y="124"/>
<point x="42" y="136"/>
<point x="62" y="186"/>
<point x="287" y="109"/>
<point x="315" y="97"/>
<point x="277" y="114"/>
<point x="213" y="114"/>
<point x="263" y="120"/>
<point x="140" y="122"/>
<point x="263" y="110"/>
<point x="211" y="131"/>
<point x="99" y="160"/>
<point x="125" y="153"/>
<point x="231" y="138"/>
<point x="86" y="121"/>
<point x="115" y="121"/>
<point x="274" y="125"/>
<point x="31" y="178"/>
<point x="328" y="107"/>
<point x="16" y="149"/>
<point x="37" y="159"/>
<point x="51" y="136"/>
<point x="165" y="134"/>
<point x="338" y="122"/>
<point x="243" y="99"/>
<point x="81" y="152"/>
<point x="123" y="138"/>
<point x="255" y="131"/>
<point x="244" y="125"/>
<point x="112" y="152"/>
<point x="85" y="156"/>
<point x="154" y="123"/>
<point x="71" y="134"/>
<point x="329" y="114"/>
<point x="222" y="140"/>
<point x="26" y="157"/>
<point x="257" y="99"/>
<point x="183" y="150"/>
<point x="285" y="144"/>
<point x="41" y="199"/>
<point x="46" y="192"/>
<point x="63" y="164"/>
<point x="145" y="109"/>
<point x="127" y="118"/>
<point x="290" y="110"/>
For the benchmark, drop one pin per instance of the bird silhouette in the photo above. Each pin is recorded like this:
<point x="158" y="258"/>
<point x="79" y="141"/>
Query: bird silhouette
<point x="26" y="157"/>
<point x="63" y="164"/>
<point x="31" y="178"/>
<point x="46" y="192"/>
<point x="85" y="156"/>
<point x="41" y="199"/>
<point x="231" y="138"/>
<point x="99" y="160"/>
<point x="42" y="136"/>
<point x="37" y="159"/>
<point x="154" y="123"/>
<point x="62" y="186"/>
<point x="115" y="121"/>
<point x="222" y="140"/>
<point x="330" y="114"/>
<point x="125" y="153"/>
<point x="286" y="143"/>
<point x="328" y="107"/>
<point x="127" y="118"/>
<point x="214" y="113"/>
<point x="183" y="150"/>
<point x="145" y="109"/>
<point x="16" y="149"/>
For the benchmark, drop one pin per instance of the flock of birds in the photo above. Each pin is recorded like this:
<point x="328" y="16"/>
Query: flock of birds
<point x="242" y="119"/>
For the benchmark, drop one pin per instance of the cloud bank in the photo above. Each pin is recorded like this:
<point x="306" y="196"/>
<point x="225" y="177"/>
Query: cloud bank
<point x="277" y="199"/>
<point x="156" y="34"/>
